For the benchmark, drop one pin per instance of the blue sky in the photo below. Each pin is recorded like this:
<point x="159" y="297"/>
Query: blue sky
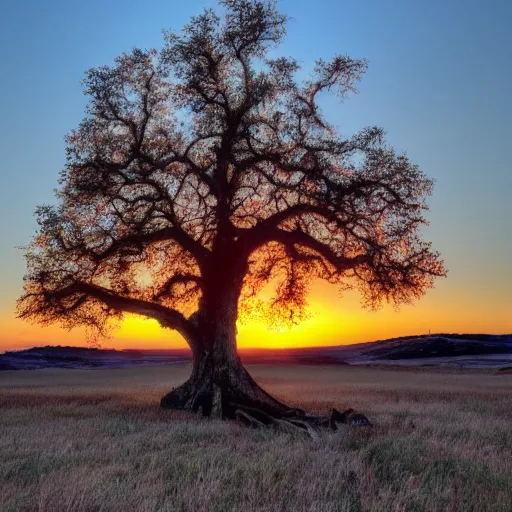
<point x="439" y="82"/>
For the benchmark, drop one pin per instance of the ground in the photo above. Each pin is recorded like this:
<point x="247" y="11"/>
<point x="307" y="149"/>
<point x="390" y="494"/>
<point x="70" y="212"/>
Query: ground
<point x="90" y="440"/>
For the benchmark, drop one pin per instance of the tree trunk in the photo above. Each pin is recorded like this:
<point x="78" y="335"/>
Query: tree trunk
<point x="219" y="385"/>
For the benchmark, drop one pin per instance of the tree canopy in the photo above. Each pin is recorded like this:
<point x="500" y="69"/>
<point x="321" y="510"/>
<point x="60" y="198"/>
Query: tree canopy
<point x="208" y="169"/>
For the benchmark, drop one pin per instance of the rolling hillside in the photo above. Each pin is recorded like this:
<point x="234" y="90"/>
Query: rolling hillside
<point x="438" y="350"/>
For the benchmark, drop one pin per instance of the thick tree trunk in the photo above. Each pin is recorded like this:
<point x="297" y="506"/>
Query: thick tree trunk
<point x="219" y="385"/>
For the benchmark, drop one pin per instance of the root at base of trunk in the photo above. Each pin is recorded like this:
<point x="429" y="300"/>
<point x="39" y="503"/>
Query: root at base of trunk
<point x="255" y="408"/>
<point x="304" y="423"/>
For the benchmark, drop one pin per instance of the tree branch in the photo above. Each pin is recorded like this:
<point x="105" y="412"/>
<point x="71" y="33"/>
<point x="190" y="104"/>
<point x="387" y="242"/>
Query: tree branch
<point x="178" y="279"/>
<point x="167" y="317"/>
<point x="299" y="237"/>
<point x="173" y="233"/>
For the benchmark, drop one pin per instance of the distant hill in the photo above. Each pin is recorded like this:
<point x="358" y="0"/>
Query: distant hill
<point x="438" y="350"/>
<point x="442" y="350"/>
<point x="86" y="358"/>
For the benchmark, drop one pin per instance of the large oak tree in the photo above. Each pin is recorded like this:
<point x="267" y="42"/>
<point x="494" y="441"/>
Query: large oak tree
<point x="207" y="170"/>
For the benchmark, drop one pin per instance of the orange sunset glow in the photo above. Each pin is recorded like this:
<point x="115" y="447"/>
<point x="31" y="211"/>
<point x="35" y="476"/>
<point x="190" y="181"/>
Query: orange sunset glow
<point x="464" y="180"/>
<point x="255" y="255"/>
<point x="334" y="320"/>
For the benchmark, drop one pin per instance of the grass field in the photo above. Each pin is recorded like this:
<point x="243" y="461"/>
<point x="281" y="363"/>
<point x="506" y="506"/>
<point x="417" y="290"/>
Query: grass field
<point x="97" y="441"/>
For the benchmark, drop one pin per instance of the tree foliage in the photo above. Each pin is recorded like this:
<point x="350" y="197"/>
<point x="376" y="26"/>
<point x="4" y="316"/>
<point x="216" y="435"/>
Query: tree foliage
<point x="208" y="169"/>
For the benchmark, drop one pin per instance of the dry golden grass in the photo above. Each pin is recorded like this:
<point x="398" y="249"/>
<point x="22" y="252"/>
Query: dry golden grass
<point x="97" y="440"/>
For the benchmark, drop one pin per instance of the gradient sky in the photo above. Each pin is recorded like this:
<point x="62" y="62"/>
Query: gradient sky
<point x="439" y="82"/>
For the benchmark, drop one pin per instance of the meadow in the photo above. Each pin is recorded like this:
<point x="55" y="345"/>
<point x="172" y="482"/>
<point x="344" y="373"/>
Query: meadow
<point x="96" y="440"/>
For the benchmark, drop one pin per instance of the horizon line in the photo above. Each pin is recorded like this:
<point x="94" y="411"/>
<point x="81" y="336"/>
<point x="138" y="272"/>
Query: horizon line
<point x="262" y="349"/>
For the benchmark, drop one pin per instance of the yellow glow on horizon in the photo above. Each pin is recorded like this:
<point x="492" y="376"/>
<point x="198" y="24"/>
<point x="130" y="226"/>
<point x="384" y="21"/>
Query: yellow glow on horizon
<point x="326" y="325"/>
<point x="134" y="325"/>
<point x="138" y="332"/>
<point x="335" y="321"/>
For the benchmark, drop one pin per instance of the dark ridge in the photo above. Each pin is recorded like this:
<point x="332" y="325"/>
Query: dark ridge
<point x="470" y="337"/>
<point x="441" y="346"/>
<point x="404" y="348"/>
<point x="86" y="358"/>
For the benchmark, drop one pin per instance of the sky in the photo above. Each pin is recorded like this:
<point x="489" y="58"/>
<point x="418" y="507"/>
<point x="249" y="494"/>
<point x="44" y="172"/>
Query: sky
<point x="439" y="83"/>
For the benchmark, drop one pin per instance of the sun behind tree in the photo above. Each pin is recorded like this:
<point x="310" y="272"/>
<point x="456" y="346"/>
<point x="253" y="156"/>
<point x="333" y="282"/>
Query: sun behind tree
<point x="195" y="180"/>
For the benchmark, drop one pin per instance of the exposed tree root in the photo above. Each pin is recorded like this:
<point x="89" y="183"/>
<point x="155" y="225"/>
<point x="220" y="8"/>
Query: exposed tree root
<point x="254" y="407"/>
<point x="298" y="422"/>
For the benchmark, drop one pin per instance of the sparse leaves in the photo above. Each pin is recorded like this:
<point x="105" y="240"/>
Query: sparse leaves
<point x="195" y="175"/>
